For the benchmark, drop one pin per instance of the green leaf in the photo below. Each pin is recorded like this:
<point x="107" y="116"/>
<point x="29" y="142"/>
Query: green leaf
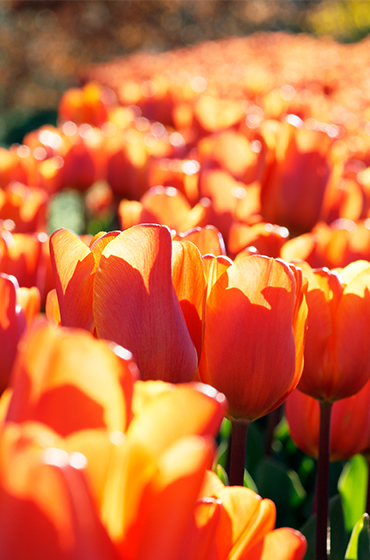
<point x="359" y="544"/>
<point x="249" y="482"/>
<point x="67" y="210"/>
<point x="255" y="448"/>
<point x="280" y="484"/>
<point x="338" y="534"/>
<point x="352" y="486"/>
<point x="222" y="475"/>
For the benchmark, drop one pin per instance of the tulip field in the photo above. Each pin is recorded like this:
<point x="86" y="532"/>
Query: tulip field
<point x="185" y="309"/>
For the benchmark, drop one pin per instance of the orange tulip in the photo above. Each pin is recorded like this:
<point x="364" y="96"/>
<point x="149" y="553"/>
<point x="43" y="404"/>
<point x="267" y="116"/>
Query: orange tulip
<point x="18" y="306"/>
<point x="89" y="104"/>
<point x="123" y="287"/>
<point x="22" y="255"/>
<point x="254" y="333"/>
<point x="164" y="205"/>
<point x="239" y="524"/>
<point x="129" y="474"/>
<point x="349" y="427"/>
<point x="57" y="380"/>
<point x="208" y="240"/>
<point x="295" y="181"/>
<point x="25" y="206"/>
<point x="46" y="508"/>
<point x="337" y="353"/>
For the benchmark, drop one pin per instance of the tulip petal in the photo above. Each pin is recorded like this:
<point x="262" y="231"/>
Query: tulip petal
<point x="136" y="306"/>
<point x="190" y="286"/>
<point x="249" y="336"/>
<point x="281" y="544"/>
<point x="73" y="264"/>
<point x="70" y="381"/>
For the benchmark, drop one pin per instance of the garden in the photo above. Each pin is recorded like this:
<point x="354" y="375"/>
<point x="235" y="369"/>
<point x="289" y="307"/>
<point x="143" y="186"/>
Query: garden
<point x="185" y="281"/>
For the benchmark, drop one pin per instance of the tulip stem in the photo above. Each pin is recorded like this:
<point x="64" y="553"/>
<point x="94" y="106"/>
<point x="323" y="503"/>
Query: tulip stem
<point x="322" y="482"/>
<point x="239" y="432"/>
<point x="273" y="420"/>
<point x="368" y="484"/>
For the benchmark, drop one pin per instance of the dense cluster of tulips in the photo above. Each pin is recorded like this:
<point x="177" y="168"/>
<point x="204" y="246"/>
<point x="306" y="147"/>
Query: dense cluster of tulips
<point x="237" y="279"/>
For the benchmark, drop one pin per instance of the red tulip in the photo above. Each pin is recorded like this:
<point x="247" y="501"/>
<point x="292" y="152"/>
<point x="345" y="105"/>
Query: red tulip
<point x="349" y="427"/>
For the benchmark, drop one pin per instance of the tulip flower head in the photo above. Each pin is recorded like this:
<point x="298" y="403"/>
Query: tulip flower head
<point x="337" y="352"/>
<point x="139" y="289"/>
<point x="254" y="333"/>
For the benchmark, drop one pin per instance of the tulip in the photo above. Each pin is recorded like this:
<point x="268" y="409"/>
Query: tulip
<point x="294" y="184"/>
<point x="23" y="256"/>
<point x="45" y="385"/>
<point x="240" y="525"/>
<point x="337" y="356"/>
<point x="124" y="288"/>
<point x="268" y="239"/>
<point x="177" y="173"/>
<point x="208" y="240"/>
<point x="89" y="104"/>
<point x="46" y="509"/>
<point x="349" y="427"/>
<point x="18" y="306"/>
<point x="253" y="342"/>
<point x="164" y="205"/>
<point x="254" y="330"/>
<point x="139" y="468"/>
<point x="26" y="206"/>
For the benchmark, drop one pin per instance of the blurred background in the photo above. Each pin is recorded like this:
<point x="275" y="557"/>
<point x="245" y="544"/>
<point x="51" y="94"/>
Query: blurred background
<point x="46" y="46"/>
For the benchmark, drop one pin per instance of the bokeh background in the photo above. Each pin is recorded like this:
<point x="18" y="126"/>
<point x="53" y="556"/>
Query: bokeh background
<point x="48" y="46"/>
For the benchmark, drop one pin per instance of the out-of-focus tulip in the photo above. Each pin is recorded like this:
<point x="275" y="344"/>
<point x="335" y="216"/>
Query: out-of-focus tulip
<point x="254" y="332"/>
<point x="167" y="206"/>
<point x="240" y="525"/>
<point x="140" y="470"/>
<point x="89" y="104"/>
<point x="208" y="240"/>
<point x="225" y="194"/>
<point x="337" y="245"/>
<point x="337" y="353"/>
<point x="268" y="239"/>
<point x="18" y="306"/>
<point x="46" y="509"/>
<point x="26" y="206"/>
<point x="126" y="290"/>
<point x="23" y="256"/>
<point x="232" y="152"/>
<point x="47" y="388"/>
<point x="11" y="168"/>
<point x="177" y="173"/>
<point x="349" y="426"/>
<point x="294" y="184"/>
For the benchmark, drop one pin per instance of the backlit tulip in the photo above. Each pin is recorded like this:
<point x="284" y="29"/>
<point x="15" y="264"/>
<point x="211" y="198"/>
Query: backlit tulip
<point x="295" y="181"/>
<point x="254" y="332"/>
<point x="349" y="428"/>
<point x="18" y="306"/>
<point x="242" y="526"/>
<point x="337" y="353"/>
<point x="58" y="380"/>
<point x="123" y="286"/>
<point x="138" y="474"/>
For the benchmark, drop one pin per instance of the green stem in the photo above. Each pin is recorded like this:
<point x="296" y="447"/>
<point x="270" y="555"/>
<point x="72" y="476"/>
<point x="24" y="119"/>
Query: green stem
<point x="239" y="432"/>
<point x="322" y="482"/>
